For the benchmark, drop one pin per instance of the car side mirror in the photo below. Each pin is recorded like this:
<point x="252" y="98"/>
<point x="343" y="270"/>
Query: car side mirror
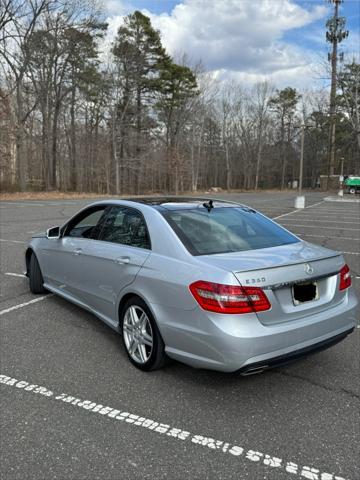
<point x="53" y="233"/>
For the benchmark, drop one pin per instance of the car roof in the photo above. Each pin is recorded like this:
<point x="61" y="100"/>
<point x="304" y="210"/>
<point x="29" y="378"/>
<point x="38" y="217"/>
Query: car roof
<point x="179" y="203"/>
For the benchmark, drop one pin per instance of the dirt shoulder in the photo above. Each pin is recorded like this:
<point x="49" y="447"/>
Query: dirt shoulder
<point x="56" y="195"/>
<point x="49" y="195"/>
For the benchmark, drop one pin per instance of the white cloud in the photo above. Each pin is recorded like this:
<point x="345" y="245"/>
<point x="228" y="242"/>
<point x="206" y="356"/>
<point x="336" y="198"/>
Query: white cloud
<point x="300" y="77"/>
<point x="117" y="7"/>
<point x="242" y="38"/>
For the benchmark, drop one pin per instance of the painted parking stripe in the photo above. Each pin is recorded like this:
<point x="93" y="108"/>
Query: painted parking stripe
<point x="316" y="221"/>
<point x="352" y="253"/>
<point x="22" y="305"/>
<point x="123" y="416"/>
<point x="260" y="207"/>
<point x="325" y="236"/>
<point x="297" y="219"/>
<point x="329" y="214"/>
<point x="11" y="274"/>
<point x="11" y="241"/>
<point x="298" y="210"/>
<point x="333" y="221"/>
<point x="324" y="228"/>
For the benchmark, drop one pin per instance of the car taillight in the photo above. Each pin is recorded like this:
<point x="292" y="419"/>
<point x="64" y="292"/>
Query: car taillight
<point x="219" y="298"/>
<point x="345" y="278"/>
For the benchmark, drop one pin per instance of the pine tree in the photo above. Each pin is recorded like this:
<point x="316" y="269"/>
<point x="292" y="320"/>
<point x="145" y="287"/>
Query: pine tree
<point x="178" y="87"/>
<point x="139" y="56"/>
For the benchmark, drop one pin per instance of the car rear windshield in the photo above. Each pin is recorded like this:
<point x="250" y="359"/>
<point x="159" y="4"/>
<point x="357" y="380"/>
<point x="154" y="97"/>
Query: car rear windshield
<point x="226" y="229"/>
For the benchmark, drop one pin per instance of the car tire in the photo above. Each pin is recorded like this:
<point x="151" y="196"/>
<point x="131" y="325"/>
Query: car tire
<point x="35" y="276"/>
<point x="145" y="357"/>
<point x="352" y="191"/>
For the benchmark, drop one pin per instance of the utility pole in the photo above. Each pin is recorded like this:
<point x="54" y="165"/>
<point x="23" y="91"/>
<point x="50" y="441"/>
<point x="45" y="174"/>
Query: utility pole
<point x="335" y="34"/>
<point x="301" y="169"/>
<point x="300" y="199"/>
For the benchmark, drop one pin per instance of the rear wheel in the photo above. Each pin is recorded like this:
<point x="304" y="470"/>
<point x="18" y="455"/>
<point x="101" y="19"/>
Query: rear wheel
<point x="35" y="276"/>
<point x="352" y="191"/>
<point x="141" y="337"/>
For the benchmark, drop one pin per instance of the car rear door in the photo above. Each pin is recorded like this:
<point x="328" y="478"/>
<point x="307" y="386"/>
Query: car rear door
<point x="113" y="259"/>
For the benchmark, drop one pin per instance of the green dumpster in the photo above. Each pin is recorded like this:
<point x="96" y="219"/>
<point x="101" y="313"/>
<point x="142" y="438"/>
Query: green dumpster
<point x="352" y="185"/>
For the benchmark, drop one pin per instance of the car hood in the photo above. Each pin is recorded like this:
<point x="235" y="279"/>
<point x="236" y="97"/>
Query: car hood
<point x="264" y="258"/>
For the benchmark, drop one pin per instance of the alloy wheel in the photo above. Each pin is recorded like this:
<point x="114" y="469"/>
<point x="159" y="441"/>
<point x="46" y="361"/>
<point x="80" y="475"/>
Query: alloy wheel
<point x="138" y="334"/>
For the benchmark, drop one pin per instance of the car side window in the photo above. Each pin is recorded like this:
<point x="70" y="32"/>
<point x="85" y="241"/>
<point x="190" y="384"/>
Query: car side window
<point x="125" y="226"/>
<point x="85" y="225"/>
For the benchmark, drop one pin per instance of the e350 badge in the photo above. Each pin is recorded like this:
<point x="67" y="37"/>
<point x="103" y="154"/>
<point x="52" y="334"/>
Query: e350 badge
<point x="251" y="281"/>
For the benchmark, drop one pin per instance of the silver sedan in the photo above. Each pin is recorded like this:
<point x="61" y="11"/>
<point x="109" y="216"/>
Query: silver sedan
<point x="212" y="284"/>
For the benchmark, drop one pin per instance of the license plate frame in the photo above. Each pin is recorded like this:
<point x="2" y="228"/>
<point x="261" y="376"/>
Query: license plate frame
<point x="298" y="302"/>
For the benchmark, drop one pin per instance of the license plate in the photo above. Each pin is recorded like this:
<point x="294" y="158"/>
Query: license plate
<point x="305" y="292"/>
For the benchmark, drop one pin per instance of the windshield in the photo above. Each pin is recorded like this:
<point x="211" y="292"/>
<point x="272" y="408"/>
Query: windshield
<point x="224" y="230"/>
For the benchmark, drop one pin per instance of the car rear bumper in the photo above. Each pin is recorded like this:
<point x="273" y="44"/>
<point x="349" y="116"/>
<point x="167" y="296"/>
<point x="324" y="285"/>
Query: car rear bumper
<point x="232" y="343"/>
<point x="286" y="359"/>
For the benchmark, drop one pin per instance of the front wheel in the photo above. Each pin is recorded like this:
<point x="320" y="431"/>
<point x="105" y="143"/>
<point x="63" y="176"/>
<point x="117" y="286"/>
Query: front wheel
<point x="35" y="276"/>
<point x="141" y="337"/>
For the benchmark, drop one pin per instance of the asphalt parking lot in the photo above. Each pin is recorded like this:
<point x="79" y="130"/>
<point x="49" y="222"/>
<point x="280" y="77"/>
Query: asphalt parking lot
<point x="300" y="421"/>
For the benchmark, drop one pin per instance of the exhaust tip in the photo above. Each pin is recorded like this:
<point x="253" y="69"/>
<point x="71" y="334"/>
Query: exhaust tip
<point x="254" y="371"/>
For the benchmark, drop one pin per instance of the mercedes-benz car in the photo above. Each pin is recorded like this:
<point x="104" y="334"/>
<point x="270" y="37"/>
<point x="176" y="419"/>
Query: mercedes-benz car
<point x="210" y="283"/>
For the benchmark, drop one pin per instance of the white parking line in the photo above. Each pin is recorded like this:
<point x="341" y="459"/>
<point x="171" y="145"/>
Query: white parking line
<point x="351" y="253"/>
<point x="298" y="210"/>
<point x="325" y="214"/>
<point x="316" y="220"/>
<point x="11" y="241"/>
<point x="343" y="213"/>
<point x="11" y="274"/>
<point x="260" y="207"/>
<point x="22" y="305"/>
<point x="323" y="228"/>
<point x="332" y="221"/>
<point x="117" y="415"/>
<point x="325" y="236"/>
<point x="345" y="204"/>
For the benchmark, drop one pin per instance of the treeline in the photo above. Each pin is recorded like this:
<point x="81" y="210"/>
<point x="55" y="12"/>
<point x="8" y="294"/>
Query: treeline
<point x="134" y="120"/>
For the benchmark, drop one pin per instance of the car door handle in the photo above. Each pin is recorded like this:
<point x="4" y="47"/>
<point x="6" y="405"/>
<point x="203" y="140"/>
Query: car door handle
<point x="122" y="260"/>
<point x="77" y="251"/>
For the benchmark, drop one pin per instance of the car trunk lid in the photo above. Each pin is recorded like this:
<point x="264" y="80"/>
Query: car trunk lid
<point x="299" y="279"/>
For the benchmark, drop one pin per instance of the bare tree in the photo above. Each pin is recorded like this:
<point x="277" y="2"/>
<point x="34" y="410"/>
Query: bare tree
<point x="259" y="99"/>
<point x="145" y="122"/>
<point x="19" y="20"/>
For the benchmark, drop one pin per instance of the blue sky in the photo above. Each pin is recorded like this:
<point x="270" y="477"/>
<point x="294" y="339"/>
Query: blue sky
<point x="250" y="40"/>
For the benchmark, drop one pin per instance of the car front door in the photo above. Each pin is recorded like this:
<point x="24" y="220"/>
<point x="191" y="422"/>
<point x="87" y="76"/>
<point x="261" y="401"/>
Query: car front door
<point x="112" y="261"/>
<point x="62" y="259"/>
